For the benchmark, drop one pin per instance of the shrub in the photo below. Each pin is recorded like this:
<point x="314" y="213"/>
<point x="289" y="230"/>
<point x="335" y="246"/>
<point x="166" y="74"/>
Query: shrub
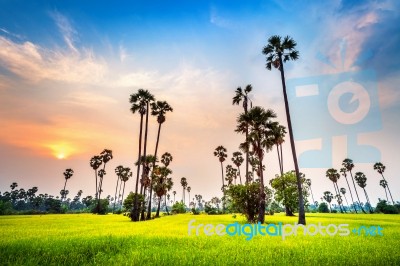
<point x="195" y="211"/>
<point x="383" y="207"/>
<point x="323" y="208"/>
<point x="178" y="207"/>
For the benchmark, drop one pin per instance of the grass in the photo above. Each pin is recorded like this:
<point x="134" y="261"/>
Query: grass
<point x="86" y="239"/>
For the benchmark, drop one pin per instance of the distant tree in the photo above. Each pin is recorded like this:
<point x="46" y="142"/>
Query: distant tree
<point x="328" y="196"/>
<point x="323" y="208"/>
<point x="343" y="170"/>
<point x="380" y="168"/>
<point x="383" y="184"/>
<point x="237" y="159"/>
<point x="348" y="164"/>
<point x="361" y="180"/>
<point x="68" y="173"/>
<point x="220" y="153"/>
<point x="334" y="176"/>
<point x="95" y="163"/>
<point x="343" y="191"/>
<point x="184" y="185"/>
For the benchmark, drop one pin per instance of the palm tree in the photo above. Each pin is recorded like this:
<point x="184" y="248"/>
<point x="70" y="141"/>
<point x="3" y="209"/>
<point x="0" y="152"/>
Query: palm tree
<point x="95" y="163"/>
<point x="148" y="162"/>
<point x="174" y="192"/>
<point x="279" y="51"/>
<point x="106" y="156"/>
<point x="67" y="175"/>
<point x="348" y="164"/>
<point x="343" y="191"/>
<point x="220" y="152"/>
<point x="242" y="95"/>
<point x="381" y="168"/>
<point x="237" y="159"/>
<point x="13" y="185"/>
<point x="308" y="183"/>
<point x="166" y="159"/>
<point x="188" y="189"/>
<point x="140" y="102"/>
<point x="101" y="173"/>
<point x="383" y="184"/>
<point x="118" y="172"/>
<point x="343" y="170"/>
<point x="184" y="186"/>
<point x="334" y="176"/>
<point x="159" y="109"/>
<point x="279" y="132"/>
<point x="125" y="175"/>
<point x="328" y="196"/>
<point x="361" y="180"/>
<point x="161" y="184"/>
<point x="258" y="124"/>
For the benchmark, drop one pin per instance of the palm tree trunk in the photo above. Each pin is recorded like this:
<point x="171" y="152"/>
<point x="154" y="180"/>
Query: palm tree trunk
<point x="95" y="173"/>
<point x="123" y="192"/>
<point x="366" y="196"/>
<point x="287" y="210"/>
<point x="223" y="188"/>
<point x="119" y="195"/>
<point x="240" y="176"/>
<point x="348" y="206"/>
<point x="155" y="155"/>
<point x="142" y="216"/>
<point x="337" y="194"/>
<point x="390" y="193"/>
<point x="166" y="207"/>
<point x="351" y="195"/>
<point x="65" y="184"/>
<point x="359" y="202"/>
<point x="338" y="191"/>
<point x="134" y="212"/>
<point x="141" y="208"/>
<point x="247" y="152"/>
<point x="302" y="215"/>
<point x="312" y="195"/>
<point x="387" y="199"/>
<point x="261" y="213"/>
<point x="115" y="196"/>
<point x="158" y="208"/>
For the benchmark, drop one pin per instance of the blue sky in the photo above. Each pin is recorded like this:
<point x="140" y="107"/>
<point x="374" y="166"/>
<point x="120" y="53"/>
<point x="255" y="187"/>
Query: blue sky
<point x="67" y="69"/>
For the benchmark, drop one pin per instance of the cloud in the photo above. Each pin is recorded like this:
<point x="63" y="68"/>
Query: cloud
<point x="68" y="32"/>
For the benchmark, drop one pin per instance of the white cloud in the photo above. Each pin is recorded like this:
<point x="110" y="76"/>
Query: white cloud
<point x="68" y="32"/>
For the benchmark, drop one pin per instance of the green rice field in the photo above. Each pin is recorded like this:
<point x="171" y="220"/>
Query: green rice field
<point x="87" y="239"/>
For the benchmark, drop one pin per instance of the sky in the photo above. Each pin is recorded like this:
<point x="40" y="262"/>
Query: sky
<point x="67" y="69"/>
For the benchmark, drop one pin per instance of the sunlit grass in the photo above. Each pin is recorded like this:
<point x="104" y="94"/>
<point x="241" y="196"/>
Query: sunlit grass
<point x="81" y="239"/>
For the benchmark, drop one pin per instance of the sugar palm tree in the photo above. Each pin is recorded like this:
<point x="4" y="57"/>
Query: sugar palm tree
<point x="243" y="95"/>
<point x="279" y="51"/>
<point x="328" y="196"/>
<point x="148" y="163"/>
<point x="159" y="109"/>
<point x="106" y="156"/>
<point x="166" y="159"/>
<point x="140" y="103"/>
<point x="361" y="180"/>
<point x="237" y="159"/>
<point x="220" y="152"/>
<point x="188" y="189"/>
<point x="161" y="184"/>
<point x="174" y="192"/>
<point x="278" y="133"/>
<point x="13" y="185"/>
<point x="118" y="172"/>
<point x="348" y="164"/>
<point x="308" y="183"/>
<point x="343" y="191"/>
<point x="383" y="184"/>
<point x="68" y="173"/>
<point x="334" y="176"/>
<point x="380" y="168"/>
<point x="229" y="174"/>
<point x="343" y="170"/>
<point x="125" y="175"/>
<point x="95" y="163"/>
<point x="257" y="122"/>
<point x="184" y="185"/>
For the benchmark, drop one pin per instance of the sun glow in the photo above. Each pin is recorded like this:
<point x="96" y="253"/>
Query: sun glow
<point x="61" y="150"/>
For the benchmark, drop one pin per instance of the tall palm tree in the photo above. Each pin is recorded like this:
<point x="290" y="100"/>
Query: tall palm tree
<point x="68" y="173"/>
<point x="106" y="156"/>
<point x="184" y="186"/>
<point x="361" y="180"/>
<point x="243" y="95"/>
<point x="140" y="103"/>
<point x="257" y="121"/>
<point x="328" y="196"/>
<point x="159" y="109"/>
<point x="278" y="133"/>
<point x="118" y="172"/>
<point x="343" y="191"/>
<point x="166" y="159"/>
<point x="101" y="173"/>
<point x="125" y="175"/>
<point x="279" y="51"/>
<point x="174" y="192"/>
<point x="229" y="174"/>
<point x="95" y="163"/>
<point x="220" y="152"/>
<point x="161" y="184"/>
<point x="148" y="162"/>
<point x="348" y="164"/>
<point x="188" y="189"/>
<point x="381" y="168"/>
<point x="334" y="176"/>
<point x="383" y="184"/>
<point x="237" y="159"/>
<point x="343" y="170"/>
<point x="308" y="183"/>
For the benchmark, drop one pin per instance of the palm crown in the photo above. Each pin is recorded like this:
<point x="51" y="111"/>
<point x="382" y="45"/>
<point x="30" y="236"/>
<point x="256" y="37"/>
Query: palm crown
<point x="361" y="179"/>
<point x="68" y="173"/>
<point x="220" y="152"/>
<point x="242" y="95"/>
<point x="139" y="101"/>
<point x="278" y="48"/>
<point x="159" y="109"/>
<point x="333" y="175"/>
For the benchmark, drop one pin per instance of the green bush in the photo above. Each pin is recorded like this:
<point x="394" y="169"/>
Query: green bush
<point x="323" y="208"/>
<point x="178" y="207"/>
<point x="383" y="207"/>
